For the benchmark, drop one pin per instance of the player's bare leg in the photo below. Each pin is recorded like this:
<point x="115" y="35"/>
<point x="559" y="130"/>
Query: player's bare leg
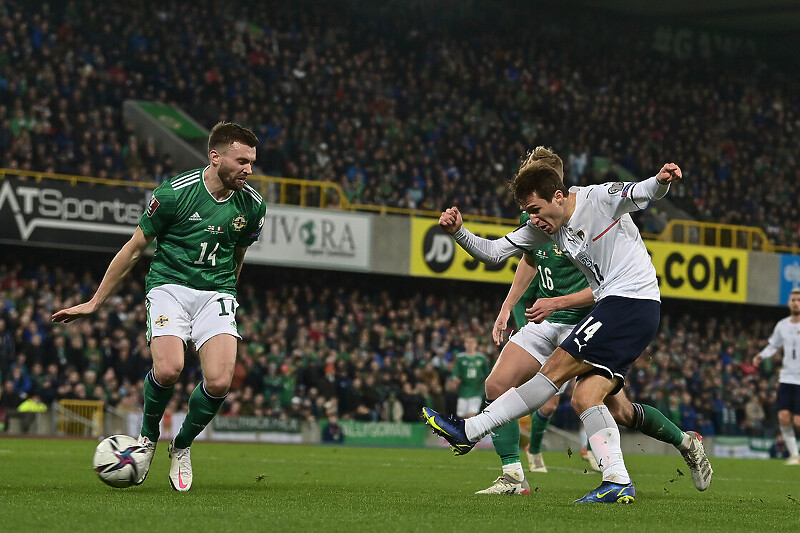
<point x="604" y="437"/>
<point x="785" y="420"/>
<point x="167" y="352"/>
<point x="217" y="358"/>
<point x="514" y="367"/>
<point x="653" y="423"/>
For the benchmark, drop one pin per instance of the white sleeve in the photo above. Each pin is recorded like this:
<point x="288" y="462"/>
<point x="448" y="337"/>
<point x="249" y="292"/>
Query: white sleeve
<point x="775" y="341"/>
<point x="620" y="197"/>
<point x="496" y="251"/>
<point x="768" y="351"/>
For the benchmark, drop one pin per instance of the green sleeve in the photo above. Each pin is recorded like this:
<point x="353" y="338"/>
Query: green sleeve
<point x="457" y="368"/>
<point x="518" y="311"/>
<point x="160" y="211"/>
<point x="253" y="229"/>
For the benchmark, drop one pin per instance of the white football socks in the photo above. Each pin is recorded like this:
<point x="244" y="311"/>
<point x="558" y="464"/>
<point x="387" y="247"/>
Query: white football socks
<point x="514" y="470"/>
<point x="512" y="404"/>
<point x="791" y="441"/>
<point x="685" y="444"/>
<point x="605" y="440"/>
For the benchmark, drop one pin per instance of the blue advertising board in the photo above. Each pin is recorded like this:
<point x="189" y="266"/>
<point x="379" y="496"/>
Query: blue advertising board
<point x="790" y="276"/>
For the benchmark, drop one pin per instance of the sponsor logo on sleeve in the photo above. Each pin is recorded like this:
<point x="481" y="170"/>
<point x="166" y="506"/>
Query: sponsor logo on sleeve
<point x="152" y="206"/>
<point x="257" y="233"/>
<point x="614" y="188"/>
<point x="626" y="190"/>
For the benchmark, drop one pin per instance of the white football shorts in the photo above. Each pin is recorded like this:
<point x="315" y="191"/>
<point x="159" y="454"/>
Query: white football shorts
<point x="190" y="314"/>
<point x="541" y="340"/>
<point x="469" y="406"/>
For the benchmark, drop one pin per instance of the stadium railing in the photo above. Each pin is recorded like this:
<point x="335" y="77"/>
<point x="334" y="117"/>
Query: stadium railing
<point x="323" y="194"/>
<point x="80" y="417"/>
<point x="718" y="235"/>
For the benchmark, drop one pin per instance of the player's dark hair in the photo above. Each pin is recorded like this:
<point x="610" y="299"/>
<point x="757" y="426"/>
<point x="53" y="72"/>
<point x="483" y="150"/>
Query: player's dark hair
<point x="536" y="177"/>
<point x="224" y="134"/>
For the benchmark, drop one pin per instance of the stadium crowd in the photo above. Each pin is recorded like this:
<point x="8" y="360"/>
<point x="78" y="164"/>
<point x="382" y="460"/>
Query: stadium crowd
<point x="418" y="104"/>
<point x="326" y="345"/>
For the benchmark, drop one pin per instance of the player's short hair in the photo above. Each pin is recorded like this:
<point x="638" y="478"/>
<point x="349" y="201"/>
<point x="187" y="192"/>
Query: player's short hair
<point x="536" y="177"/>
<point x="540" y="153"/>
<point x="794" y="291"/>
<point x="224" y="134"/>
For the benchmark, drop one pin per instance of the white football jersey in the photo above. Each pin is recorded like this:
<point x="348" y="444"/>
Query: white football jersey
<point x="786" y="335"/>
<point x="600" y="238"/>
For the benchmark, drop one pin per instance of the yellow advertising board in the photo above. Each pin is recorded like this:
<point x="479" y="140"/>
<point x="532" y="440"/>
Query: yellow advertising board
<point x="700" y="272"/>
<point x="435" y="254"/>
<point x="684" y="270"/>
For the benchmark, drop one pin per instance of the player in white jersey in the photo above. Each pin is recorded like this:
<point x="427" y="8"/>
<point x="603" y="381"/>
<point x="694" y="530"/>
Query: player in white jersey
<point x="786" y="335"/>
<point x="591" y="225"/>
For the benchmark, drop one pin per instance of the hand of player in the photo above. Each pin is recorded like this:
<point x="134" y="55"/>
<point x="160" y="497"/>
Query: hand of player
<point x="75" y="312"/>
<point x="450" y="220"/>
<point x="540" y="310"/>
<point x="500" y="325"/>
<point x="757" y="361"/>
<point x="669" y="173"/>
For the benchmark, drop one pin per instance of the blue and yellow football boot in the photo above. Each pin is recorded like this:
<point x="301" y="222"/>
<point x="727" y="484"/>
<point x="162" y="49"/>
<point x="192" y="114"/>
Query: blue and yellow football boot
<point x="451" y="428"/>
<point x="609" y="492"/>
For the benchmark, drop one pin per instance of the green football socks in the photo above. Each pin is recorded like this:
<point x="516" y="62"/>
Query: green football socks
<point x="505" y="440"/>
<point x="156" y="398"/>
<point x="202" y="409"/>
<point x="539" y="425"/>
<point x="653" y="423"/>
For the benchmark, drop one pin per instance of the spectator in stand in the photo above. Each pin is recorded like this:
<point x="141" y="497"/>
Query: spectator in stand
<point x="332" y="433"/>
<point x="389" y="134"/>
<point x="685" y="360"/>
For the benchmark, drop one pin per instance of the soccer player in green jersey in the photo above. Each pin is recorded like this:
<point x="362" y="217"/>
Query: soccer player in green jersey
<point x="203" y="222"/>
<point x="471" y="369"/>
<point x="564" y="299"/>
<point x="568" y="299"/>
<point x="547" y="285"/>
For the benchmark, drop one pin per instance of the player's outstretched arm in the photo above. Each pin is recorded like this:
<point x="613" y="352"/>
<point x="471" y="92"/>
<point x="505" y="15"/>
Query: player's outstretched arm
<point x="119" y="267"/>
<point x="633" y="196"/>
<point x="524" y="275"/>
<point x="495" y="251"/>
<point x="544" y="307"/>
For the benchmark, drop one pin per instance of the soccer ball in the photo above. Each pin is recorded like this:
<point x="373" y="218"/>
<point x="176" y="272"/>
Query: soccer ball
<point x="118" y="461"/>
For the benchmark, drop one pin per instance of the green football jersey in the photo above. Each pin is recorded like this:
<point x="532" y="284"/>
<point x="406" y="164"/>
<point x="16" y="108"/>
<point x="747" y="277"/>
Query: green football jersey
<point x="557" y="276"/>
<point x="196" y="234"/>
<point x="472" y="370"/>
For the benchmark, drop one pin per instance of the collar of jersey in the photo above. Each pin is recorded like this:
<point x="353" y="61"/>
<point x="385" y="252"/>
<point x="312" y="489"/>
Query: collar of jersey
<point x="203" y="179"/>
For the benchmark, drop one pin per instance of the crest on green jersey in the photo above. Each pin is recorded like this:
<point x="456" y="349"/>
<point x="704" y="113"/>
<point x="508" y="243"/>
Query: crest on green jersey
<point x="239" y="222"/>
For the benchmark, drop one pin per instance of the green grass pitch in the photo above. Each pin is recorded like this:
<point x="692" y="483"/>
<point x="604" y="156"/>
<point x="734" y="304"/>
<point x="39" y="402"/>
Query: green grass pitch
<point x="49" y="485"/>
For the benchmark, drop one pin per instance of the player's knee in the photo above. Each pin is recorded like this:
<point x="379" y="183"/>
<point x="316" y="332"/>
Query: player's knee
<point x="495" y="387"/>
<point x="168" y="373"/>
<point x="217" y="386"/>
<point x="784" y="418"/>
